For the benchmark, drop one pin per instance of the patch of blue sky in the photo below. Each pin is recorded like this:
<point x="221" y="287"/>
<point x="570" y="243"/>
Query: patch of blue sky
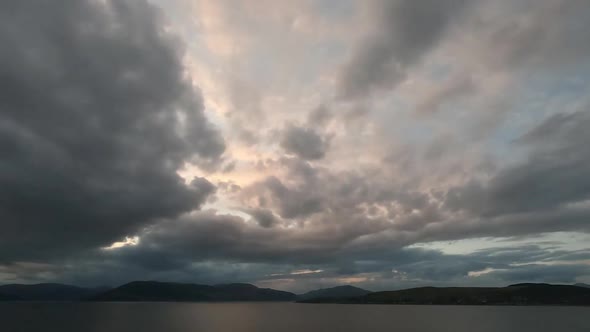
<point x="539" y="98"/>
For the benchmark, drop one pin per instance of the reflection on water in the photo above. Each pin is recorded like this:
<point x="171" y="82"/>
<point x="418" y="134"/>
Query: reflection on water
<point x="286" y="317"/>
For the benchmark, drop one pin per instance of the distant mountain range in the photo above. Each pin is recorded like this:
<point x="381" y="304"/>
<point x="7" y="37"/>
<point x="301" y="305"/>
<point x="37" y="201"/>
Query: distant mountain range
<point x="519" y="294"/>
<point x="338" y="292"/>
<point x="46" y="292"/>
<point x="154" y="291"/>
<point x="177" y="292"/>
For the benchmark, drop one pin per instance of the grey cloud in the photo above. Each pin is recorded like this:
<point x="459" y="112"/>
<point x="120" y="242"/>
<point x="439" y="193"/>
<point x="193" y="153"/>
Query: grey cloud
<point x="457" y="88"/>
<point x="185" y="254"/>
<point x="291" y="202"/>
<point x="316" y="195"/>
<point x="544" y="34"/>
<point x="542" y="273"/>
<point x="556" y="172"/>
<point x="362" y="213"/>
<point x="413" y="266"/>
<point x="319" y="116"/>
<point x="205" y="236"/>
<point x="91" y="137"/>
<point x="199" y="245"/>
<point x="367" y="212"/>
<point x="402" y="33"/>
<point x="96" y="116"/>
<point x="264" y="217"/>
<point x="507" y="265"/>
<point x="305" y="143"/>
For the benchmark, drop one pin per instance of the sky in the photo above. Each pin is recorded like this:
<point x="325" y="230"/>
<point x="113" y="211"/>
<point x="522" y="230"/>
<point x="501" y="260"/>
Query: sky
<point x="295" y="144"/>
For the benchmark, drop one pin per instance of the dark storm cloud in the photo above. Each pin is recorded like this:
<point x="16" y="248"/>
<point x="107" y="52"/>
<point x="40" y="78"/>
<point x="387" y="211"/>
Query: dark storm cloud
<point x="207" y="236"/>
<point x="305" y="143"/>
<point x="96" y="116"/>
<point x="403" y="31"/>
<point x="203" y="236"/>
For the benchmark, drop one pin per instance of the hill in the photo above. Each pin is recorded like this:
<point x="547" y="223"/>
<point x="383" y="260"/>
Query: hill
<point x="338" y="292"/>
<point x="520" y="294"/>
<point x="178" y="292"/>
<point x="6" y="297"/>
<point x="582" y="285"/>
<point x="46" y="292"/>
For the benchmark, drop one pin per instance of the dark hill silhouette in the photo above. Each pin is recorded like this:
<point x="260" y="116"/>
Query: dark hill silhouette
<point x="172" y="292"/>
<point x="519" y="294"/>
<point x="580" y="284"/>
<point x="47" y="292"/>
<point x="6" y="297"/>
<point x="338" y="292"/>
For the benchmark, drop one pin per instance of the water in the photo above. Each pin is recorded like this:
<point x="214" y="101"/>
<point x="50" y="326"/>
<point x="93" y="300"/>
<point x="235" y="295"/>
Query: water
<point x="287" y="317"/>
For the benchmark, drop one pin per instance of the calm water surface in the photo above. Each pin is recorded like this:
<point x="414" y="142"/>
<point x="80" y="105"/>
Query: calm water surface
<point x="288" y="317"/>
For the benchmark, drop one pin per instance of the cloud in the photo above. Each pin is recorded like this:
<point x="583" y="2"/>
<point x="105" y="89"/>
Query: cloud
<point x="402" y="33"/>
<point x="541" y="273"/>
<point x="319" y="117"/>
<point x="95" y="119"/>
<point x="99" y="114"/>
<point x="210" y="236"/>
<point x="264" y="217"/>
<point x="457" y="88"/>
<point x="554" y="174"/>
<point x="305" y="143"/>
<point x="291" y="202"/>
<point x="545" y="35"/>
<point x="192" y="249"/>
